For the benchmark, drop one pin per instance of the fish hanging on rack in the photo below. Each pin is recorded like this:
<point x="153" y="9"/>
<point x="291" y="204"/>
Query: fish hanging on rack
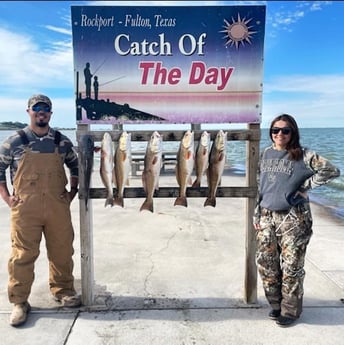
<point x="217" y="161"/>
<point x="86" y="156"/>
<point x="202" y="158"/>
<point x="151" y="170"/>
<point x="185" y="166"/>
<point x="107" y="166"/>
<point x="122" y="166"/>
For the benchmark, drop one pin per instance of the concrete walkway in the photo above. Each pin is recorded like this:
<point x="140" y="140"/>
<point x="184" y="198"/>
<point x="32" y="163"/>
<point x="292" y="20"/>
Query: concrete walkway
<point x="176" y="277"/>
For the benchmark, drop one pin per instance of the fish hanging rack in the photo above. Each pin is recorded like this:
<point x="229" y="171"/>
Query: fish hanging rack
<point x="172" y="192"/>
<point x="252" y="137"/>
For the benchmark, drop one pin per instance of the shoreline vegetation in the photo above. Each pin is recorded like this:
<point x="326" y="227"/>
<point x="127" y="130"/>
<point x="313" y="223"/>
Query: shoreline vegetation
<point x="9" y="125"/>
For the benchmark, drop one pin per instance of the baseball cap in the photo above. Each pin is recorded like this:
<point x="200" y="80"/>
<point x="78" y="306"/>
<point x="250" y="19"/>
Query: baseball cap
<point x="34" y="99"/>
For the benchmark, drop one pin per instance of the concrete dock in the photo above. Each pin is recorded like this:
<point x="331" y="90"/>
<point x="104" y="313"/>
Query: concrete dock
<point x="176" y="277"/>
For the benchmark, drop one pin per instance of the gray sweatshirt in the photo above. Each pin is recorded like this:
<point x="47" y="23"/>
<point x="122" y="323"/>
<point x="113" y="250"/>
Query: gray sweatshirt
<point x="279" y="178"/>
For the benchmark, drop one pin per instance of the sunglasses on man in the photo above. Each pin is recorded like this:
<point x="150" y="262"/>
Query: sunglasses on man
<point x="44" y="108"/>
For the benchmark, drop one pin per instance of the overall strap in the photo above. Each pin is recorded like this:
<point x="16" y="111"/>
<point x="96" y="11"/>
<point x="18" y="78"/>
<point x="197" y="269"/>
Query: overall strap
<point x="57" y="138"/>
<point x="23" y="137"/>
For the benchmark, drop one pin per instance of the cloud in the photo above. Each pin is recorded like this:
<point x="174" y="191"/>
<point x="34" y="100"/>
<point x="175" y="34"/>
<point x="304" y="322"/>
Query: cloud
<point x="285" y="17"/>
<point x="282" y="20"/>
<point x="27" y="68"/>
<point x="59" y="30"/>
<point x="26" y="63"/>
<point x="317" y="5"/>
<point x="317" y="84"/>
<point x="312" y="113"/>
<point x="316" y="101"/>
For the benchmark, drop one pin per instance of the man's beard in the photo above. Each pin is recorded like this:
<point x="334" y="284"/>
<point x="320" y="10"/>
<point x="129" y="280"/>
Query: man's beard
<point x="42" y="124"/>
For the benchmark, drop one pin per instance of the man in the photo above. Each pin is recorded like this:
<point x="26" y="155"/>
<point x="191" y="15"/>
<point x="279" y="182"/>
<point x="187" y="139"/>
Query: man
<point x="39" y="204"/>
<point x="88" y="79"/>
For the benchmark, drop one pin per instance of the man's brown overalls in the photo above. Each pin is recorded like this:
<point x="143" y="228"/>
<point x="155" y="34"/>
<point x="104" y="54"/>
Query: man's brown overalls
<point x="40" y="183"/>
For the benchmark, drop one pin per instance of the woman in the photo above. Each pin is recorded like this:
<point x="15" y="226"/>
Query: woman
<point x="283" y="219"/>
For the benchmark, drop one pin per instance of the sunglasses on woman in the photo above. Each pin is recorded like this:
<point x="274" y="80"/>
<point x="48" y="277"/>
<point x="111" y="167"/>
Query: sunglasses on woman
<point x="285" y="130"/>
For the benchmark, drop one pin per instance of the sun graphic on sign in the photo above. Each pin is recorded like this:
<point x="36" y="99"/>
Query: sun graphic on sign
<point x="238" y="32"/>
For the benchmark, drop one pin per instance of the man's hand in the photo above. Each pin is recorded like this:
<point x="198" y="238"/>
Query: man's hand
<point x="13" y="200"/>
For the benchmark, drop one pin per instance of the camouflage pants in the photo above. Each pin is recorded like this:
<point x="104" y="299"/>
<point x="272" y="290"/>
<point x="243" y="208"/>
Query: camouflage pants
<point x="281" y="249"/>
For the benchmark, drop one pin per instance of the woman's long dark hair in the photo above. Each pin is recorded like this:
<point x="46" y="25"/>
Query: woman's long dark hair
<point x="294" y="148"/>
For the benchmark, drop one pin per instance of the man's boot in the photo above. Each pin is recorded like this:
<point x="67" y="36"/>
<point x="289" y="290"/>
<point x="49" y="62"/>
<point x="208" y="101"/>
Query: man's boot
<point x="19" y="314"/>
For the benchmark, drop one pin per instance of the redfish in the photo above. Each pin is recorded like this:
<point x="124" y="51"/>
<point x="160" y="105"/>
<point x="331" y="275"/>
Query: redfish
<point x="151" y="170"/>
<point x="122" y="166"/>
<point x="86" y="155"/>
<point x="217" y="161"/>
<point x="202" y="158"/>
<point x="107" y="166"/>
<point x="184" y="167"/>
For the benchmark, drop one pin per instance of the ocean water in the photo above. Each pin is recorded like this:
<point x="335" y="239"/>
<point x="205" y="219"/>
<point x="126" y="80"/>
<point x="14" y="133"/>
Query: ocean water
<point x="327" y="142"/>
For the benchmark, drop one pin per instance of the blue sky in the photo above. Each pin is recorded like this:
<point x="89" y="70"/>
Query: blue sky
<point x="303" y="67"/>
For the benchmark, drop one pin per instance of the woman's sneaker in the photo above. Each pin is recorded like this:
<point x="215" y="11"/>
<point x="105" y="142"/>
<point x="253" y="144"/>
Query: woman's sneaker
<point x="284" y="321"/>
<point x="274" y="314"/>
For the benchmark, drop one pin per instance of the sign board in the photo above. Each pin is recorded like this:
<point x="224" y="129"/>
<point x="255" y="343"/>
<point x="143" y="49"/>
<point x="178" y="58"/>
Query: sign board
<point x="169" y="64"/>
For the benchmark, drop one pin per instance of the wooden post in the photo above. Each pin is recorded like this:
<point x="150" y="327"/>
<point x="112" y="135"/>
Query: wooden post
<point x="195" y="126"/>
<point x="117" y="127"/>
<point x="252" y="137"/>
<point x="86" y="232"/>
<point x="252" y="156"/>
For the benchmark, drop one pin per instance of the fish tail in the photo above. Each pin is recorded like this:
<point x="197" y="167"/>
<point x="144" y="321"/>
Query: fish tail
<point x="210" y="201"/>
<point x="181" y="201"/>
<point x="109" y="201"/>
<point x="196" y="184"/>
<point x="119" y="201"/>
<point x="147" y="205"/>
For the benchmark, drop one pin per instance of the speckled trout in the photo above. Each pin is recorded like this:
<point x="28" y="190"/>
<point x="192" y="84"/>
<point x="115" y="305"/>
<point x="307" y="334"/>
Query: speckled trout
<point x="151" y="170"/>
<point x="217" y="161"/>
<point x="107" y="166"/>
<point x="122" y="166"/>
<point x="184" y="166"/>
